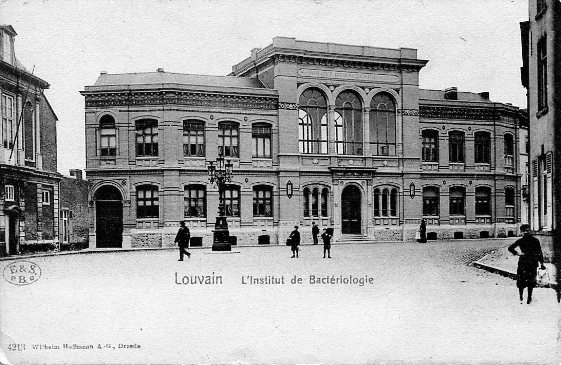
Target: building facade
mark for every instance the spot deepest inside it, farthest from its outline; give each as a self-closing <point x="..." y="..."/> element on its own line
<point x="28" y="157"/>
<point x="73" y="212"/>
<point x="337" y="134"/>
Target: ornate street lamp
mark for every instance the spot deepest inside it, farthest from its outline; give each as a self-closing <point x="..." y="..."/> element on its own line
<point x="220" y="174"/>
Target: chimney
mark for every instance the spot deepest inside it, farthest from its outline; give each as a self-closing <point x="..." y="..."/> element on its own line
<point x="103" y="72"/>
<point x="76" y="173"/>
<point x="254" y="53"/>
<point x="484" y="95"/>
<point x="160" y="69"/>
<point x="451" y="93"/>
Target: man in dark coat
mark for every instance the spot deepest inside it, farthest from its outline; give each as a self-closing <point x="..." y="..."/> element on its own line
<point x="528" y="262"/>
<point x="294" y="241"/>
<point x="423" y="232"/>
<point x="182" y="240"/>
<point x="326" y="237"/>
<point x="315" y="232"/>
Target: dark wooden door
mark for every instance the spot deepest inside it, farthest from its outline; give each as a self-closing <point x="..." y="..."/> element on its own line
<point x="350" y="210"/>
<point x="109" y="224"/>
<point x="12" y="234"/>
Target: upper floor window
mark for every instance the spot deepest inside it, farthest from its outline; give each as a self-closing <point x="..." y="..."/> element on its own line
<point x="146" y="138"/>
<point x="262" y="201"/>
<point x="542" y="73"/>
<point x="509" y="150"/>
<point x="8" y="117"/>
<point x="456" y="146"/>
<point x="348" y="123"/>
<point x="46" y="197"/>
<point x="228" y="139"/>
<point x="107" y="136"/>
<point x="194" y="197"/>
<point x="382" y="125"/>
<point x="482" y="201"/>
<point x="147" y="201"/>
<point x="7" y="47"/>
<point x="457" y="201"/>
<point x="385" y="202"/>
<point x="482" y="147"/>
<point x="541" y="5"/>
<point x="312" y="122"/>
<point x="430" y="146"/>
<point x="9" y="193"/>
<point x="232" y="201"/>
<point x="261" y="140"/>
<point x="193" y="138"/>
<point x="431" y="201"/>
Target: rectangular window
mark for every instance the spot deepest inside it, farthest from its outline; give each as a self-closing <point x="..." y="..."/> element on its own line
<point x="108" y="141"/>
<point x="261" y="141"/>
<point x="7" y="49"/>
<point x="146" y="138"/>
<point x="194" y="198"/>
<point x="262" y="201"/>
<point x="147" y="202"/>
<point x="228" y="141"/>
<point x="430" y="205"/>
<point x="232" y="201"/>
<point x="430" y="146"/>
<point x="482" y="147"/>
<point x="457" y="202"/>
<point x="542" y="74"/>
<point x="482" y="202"/>
<point x="456" y="145"/>
<point x="9" y="192"/>
<point x="46" y="197"/>
<point x="193" y="139"/>
<point x="8" y="117"/>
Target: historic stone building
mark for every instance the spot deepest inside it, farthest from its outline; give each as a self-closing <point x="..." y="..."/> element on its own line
<point x="337" y="134"/>
<point x="28" y="158"/>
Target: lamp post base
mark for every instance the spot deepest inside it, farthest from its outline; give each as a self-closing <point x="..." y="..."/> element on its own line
<point x="221" y="235"/>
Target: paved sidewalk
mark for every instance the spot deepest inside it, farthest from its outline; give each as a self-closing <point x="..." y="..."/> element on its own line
<point x="502" y="262"/>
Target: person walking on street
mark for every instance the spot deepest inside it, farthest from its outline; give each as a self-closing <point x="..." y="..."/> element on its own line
<point x="531" y="254"/>
<point x="423" y="232"/>
<point x="315" y="232"/>
<point x="326" y="237"/>
<point x="182" y="240"/>
<point x="294" y="241"/>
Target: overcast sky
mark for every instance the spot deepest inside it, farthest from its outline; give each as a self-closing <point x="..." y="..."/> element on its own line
<point x="471" y="44"/>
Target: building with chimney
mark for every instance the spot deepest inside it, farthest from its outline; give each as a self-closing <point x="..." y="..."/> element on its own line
<point x="335" y="134"/>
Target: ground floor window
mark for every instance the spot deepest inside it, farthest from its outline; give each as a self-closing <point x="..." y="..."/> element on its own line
<point x="195" y="201"/>
<point x="232" y="201"/>
<point x="431" y="201"/>
<point x="147" y="202"/>
<point x="457" y="201"/>
<point x="262" y="201"/>
<point x="482" y="201"/>
<point x="385" y="202"/>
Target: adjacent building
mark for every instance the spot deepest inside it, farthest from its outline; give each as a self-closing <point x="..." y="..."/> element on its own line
<point x="337" y="134"/>
<point x="29" y="183"/>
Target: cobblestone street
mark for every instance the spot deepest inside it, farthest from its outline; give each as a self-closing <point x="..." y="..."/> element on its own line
<point x="420" y="303"/>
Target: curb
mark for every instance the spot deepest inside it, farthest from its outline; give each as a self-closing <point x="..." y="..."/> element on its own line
<point x="507" y="273"/>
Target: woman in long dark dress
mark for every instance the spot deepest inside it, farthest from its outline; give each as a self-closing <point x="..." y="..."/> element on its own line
<point x="531" y="254"/>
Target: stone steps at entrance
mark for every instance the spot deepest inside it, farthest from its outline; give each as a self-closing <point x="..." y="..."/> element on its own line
<point x="354" y="238"/>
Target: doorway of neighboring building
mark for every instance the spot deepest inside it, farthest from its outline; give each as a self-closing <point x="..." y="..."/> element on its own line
<point x="351" y="210"/>
<point x="108" y="217"/>
<point x="12" y="233"/>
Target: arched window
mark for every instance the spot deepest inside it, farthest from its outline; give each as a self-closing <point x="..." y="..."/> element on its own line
<point x="228" y="139"/>
<point x="482" y="201"/>
<point x="385" y="202"/>
<point x="457" y="201"/>
<point x="431" y="201"/>
<point x="193" y="138"/>
<point x="315" y="202"/>
<point x="324" y="195"/>
<point x="146" y="138"/>
<point x="509" y="150"/>
<point x="382" y="125"/>
<point x="456" y="146"/>
<point x="312" y="122"/>
<point x="430" y="146"/>
<point x="107" y="136"/>
<point x="262" y="201"/>
<point x="306" y="202"/>
<point x="194" y="197"/>
<point x="348" y="123"/>
<point x="232" y="200"/>
<point x="147" y="202"/>
<point x="482" y="146"/>
<point x="261" y="140"/>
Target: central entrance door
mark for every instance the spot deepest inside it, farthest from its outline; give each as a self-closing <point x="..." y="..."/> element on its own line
<point x="350" y="210"/>
<point x="108" y="218"/>
<point x="12" y="234"/>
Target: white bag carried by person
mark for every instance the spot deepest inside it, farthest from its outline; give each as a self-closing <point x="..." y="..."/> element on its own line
<point x="542" y="279"/>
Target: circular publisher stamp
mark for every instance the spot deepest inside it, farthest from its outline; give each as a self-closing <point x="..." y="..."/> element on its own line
<point x="22" y="272"/>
